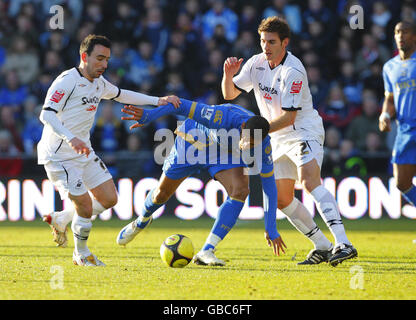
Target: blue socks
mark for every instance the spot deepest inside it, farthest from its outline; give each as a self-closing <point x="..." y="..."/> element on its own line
<point x="410" y="195"/>
<point x="147" y="211"/>
<point x="227" y="216"/>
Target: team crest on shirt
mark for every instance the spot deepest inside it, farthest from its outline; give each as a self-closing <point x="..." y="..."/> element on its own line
<point x="57" y="96"/>
<point x="218" y="116"/>
<point x="79" y="184"/>
<point x="296" y="86"/>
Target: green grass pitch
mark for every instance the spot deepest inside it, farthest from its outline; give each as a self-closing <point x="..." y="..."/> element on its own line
<point x="33" y="268"/>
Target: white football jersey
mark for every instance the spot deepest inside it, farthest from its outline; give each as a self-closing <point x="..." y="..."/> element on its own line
<point x="284" y="87"/>
<point x="75" y="100"/>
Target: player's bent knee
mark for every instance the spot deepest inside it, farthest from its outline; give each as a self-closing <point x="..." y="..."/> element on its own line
<point x="85" y="212"/>
<point x="240" y="193"/>
<point x="403" y="186"/>
<point x="283" y="202"/>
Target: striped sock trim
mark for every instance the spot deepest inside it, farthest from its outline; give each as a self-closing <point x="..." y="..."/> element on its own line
<point x="79" y="237"/>
<point x="312" y="232"/>
<point x="334" y="222"/>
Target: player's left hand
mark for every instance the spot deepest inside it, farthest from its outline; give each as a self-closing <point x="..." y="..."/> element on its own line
<point x="277" y="244"/>
<point x="169" y="99"/>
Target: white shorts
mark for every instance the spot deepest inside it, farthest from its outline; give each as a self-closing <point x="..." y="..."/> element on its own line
<point x="77" y="176"/>
<point x="299" y="153"/>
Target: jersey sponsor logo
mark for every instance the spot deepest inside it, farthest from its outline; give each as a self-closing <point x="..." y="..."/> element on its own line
<point x="296" y="86"/>
<point x="57" y="96"/>
<point x="408" y="84"/>
<point x="91" y="108"/>
<point x="218" y="116"/>
<point x="269" y="90"/>
<point x="86" y="100"/>
<point x="260" y="68"/>
<point x="267" y="96"/>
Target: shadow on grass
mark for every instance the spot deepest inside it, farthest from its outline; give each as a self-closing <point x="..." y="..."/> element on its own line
<point x="169" y="222"/>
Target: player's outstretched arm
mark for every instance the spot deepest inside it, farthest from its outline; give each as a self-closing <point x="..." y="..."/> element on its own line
<point x="145" y="116"/>
<point x="271" y="234"/>
<point x="136" y="98"/>
<point x="200" y="112"/>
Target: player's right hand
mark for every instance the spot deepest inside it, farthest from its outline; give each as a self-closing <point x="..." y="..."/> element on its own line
<point x="79" y="146"/>
<point x="232" y="65"/>
<point x="384" y="125"/>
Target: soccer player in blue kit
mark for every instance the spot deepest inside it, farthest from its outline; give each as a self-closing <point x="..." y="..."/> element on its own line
<point x="201" y="133"/>
<point x="399" y="74"/>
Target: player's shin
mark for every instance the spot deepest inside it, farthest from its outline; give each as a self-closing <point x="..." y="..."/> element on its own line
<point x="328" y="209"/>
<point x="81" y="228"/>
<point x="148" y="209"/>
<point x="301" y="219"/>
<point x="227" y="216"/>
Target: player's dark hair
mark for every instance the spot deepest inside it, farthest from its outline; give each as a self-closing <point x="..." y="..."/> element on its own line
<point x="257" y="122"/>
<point x="409" y="24"/>
<point x="90" y="41"/>
<point x="277" y="25"/>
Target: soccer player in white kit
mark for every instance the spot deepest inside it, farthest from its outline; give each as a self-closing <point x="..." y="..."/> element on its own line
<point x="65" y="148"/>
<point x="282" y="93"/>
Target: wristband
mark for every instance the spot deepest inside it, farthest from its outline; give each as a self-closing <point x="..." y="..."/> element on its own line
<point x="384" y="115"/>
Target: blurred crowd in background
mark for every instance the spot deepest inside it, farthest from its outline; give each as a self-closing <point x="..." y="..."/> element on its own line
<point x="162" y="47"/>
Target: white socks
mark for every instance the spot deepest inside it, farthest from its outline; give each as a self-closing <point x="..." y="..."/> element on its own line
<point x="65" y="216"/>
<point x="328" y="209"/>
<point x="97" y="208"/>
<point x="302" y="220"/>
<point x="81" y="228"/>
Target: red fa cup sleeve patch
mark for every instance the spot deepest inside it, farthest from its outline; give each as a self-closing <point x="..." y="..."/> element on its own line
<point x="296" y="86"/>
<point x="57" y="96"/>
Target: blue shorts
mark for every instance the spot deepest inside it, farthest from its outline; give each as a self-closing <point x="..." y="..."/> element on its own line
<point x="189" y="157"/>
<point x="404" y="150"/>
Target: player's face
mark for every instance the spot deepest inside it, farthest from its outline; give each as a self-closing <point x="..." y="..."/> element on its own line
<point x="97" y="61"/>
<point x="405" y="39"/>
<point x="272" y="46"/>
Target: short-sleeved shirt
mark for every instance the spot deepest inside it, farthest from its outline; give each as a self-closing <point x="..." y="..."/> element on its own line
<point x="400" y="80"/>
<point x="284" y="87"/>
<point x="75" y="100"/>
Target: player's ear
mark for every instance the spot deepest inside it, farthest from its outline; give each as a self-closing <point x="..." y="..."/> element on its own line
<point x="84" y="57"/>
<point x="285" y="42"/>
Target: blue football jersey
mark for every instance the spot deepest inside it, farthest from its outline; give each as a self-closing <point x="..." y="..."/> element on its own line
<point x="400" y="79"/>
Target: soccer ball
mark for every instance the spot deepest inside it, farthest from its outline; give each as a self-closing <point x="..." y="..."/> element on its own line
<point x="177" y="251"/>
